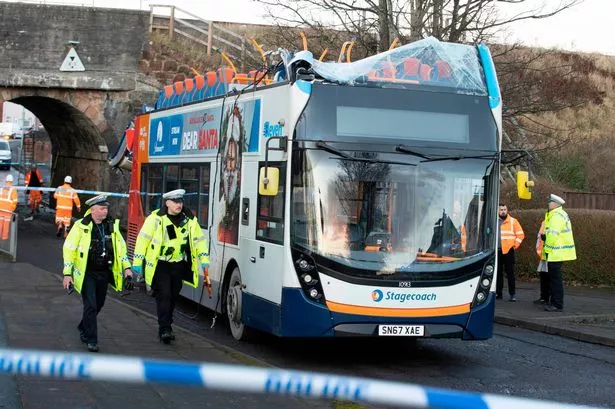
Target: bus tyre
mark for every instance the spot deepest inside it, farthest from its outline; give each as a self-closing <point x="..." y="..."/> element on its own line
<point x="234" y="307"/>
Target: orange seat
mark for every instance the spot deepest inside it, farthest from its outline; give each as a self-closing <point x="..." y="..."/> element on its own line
<point x="425" y="72"/>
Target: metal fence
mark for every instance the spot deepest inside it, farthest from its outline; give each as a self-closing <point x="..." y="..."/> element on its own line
<point x="8" y="234"/>
<point x="589" y="200"/>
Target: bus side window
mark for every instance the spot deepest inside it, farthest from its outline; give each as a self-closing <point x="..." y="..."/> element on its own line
<point x="204" y="196"/>
<point x="270" y="214"/>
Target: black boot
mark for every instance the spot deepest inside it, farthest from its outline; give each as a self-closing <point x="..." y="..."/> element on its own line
<point x="166" y="337"/>
<point x="92" y="347"/>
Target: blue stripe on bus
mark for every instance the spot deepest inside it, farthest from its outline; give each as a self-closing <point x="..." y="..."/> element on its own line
<point x="492" y="83"/>
<point x="187" y="374"/>
<point x="443" y="399"/>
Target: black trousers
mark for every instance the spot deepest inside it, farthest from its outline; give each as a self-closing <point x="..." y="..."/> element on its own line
<point x="545" y="290"/>
<point x="556" y="283"/>
<point x="167" y="284"/>
<point x="506" y="262"/>
<point x="93" y="294"/>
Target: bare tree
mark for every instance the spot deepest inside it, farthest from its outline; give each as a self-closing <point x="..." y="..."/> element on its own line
<point x="408" y="20"/>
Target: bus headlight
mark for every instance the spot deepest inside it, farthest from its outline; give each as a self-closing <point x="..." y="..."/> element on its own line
<point x="484" y="284"/>
<point x="307" y="272"/>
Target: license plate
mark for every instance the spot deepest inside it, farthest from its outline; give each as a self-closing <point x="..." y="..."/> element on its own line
<point x="401" y="330"/>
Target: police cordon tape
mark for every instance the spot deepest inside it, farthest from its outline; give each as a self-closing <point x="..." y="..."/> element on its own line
<point x="87" y="367"/>
<point x="92" y="192"/>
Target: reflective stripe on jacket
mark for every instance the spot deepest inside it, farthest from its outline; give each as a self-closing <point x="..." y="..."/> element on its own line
<point x="511" y="234"/>
<point x="152" y="237"/>
<point x="559" y="245"/>
<point x="65" y="196"/>
<point x="77" y="246"/>
<point x="8" y="198"/>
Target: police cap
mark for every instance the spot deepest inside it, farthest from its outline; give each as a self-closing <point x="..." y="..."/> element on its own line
<point x="176" y="195"/>
<point x="101" y="200"/>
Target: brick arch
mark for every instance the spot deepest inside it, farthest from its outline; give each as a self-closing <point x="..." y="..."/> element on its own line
<point x="80" y="133"/>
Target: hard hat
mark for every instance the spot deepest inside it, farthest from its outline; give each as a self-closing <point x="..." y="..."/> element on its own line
<point x="9" y="178"/>
<point x="68" y="179"/>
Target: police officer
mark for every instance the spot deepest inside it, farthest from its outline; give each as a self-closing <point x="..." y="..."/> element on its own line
<point x="558" y="248"/>
<point x="95" y="256"/>
<point x="172" y="245"/>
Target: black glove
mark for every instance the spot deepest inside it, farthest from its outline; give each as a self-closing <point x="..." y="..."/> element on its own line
<point x="128" y="284"/>
<point x="543" y="237"/>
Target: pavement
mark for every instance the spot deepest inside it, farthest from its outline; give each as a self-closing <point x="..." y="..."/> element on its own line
<point x="36" y="313"/>
<point x="588" y="315"/>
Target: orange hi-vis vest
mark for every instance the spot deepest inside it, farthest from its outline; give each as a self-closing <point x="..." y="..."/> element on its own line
<point x="8" y="198"/>
<point x="511" y="234"/>
<point x="29" y="175"/>
<point x="65" y="196"/>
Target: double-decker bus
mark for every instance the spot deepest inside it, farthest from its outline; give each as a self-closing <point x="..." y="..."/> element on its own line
<point x="338" y="198"/>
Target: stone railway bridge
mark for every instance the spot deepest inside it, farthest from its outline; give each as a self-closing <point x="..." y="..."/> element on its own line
<point x="84" y="112"/>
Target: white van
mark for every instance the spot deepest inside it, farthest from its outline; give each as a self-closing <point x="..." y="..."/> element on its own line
<point x="5" y="155"/>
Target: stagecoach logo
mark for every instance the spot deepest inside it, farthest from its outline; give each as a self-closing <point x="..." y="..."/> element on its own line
<point x="377" y="295"/>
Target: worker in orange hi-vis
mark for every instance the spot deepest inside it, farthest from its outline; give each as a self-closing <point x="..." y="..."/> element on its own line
<point x="65" y="196"/>
<point x="8" y="203"/>
<point x="34" y="179"/>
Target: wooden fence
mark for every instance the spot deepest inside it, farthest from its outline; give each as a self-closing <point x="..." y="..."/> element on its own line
<point x="200" y="31"/>
<point x="589" y="200"/>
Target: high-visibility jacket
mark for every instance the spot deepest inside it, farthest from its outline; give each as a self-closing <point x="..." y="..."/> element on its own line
<point x="8" y="198"/>
<point x="539" y="242"/>
<point x="511" y="234"/>
<point x="559" y="245"/>
<point x="29" y="175"/>
<point x="153" y="240"/>
<point x="77" y="247"/>
<point x="65" y="196"/>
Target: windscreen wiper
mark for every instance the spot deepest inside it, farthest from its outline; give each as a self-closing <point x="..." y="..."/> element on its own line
<point x="344" y="156"/>
<point x="493" y="156"/>
<point x="328" y="148"/>
<point x="403" y="149"/>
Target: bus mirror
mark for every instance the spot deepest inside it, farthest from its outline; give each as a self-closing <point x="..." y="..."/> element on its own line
<point x="268" y="181"/>
<point x="524" y="185"/>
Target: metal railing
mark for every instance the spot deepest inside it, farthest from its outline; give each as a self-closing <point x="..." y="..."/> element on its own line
<point x="8" y="240"/>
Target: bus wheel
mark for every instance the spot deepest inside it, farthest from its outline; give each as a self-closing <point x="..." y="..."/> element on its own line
<point x="233" y="307"/>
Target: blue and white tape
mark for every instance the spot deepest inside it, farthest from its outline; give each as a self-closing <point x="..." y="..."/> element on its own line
<point x="92" y="192"/>
<point x="85" y="192"/>
<point x="253" y="380"/>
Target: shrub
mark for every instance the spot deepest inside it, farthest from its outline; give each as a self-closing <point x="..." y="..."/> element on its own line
<point x="594" y="245"/>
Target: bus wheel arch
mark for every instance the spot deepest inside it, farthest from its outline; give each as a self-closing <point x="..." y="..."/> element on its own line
<point x="233" y="301"/>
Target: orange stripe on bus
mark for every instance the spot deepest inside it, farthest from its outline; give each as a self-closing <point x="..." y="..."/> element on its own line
<point x="398" y="312"/>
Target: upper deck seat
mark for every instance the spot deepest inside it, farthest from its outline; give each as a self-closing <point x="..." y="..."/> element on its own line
<point x="411" y="67"/>
<point x="212" y="83"/>
<point x="425" y="72"/>
<point x="168" y="95"/>
<point x="200" y="87"/>
<point x="443" y="72"/>
<point x="189" y="90"/>
<point x="178" y="93"/>
<point x="225" y="78"/>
